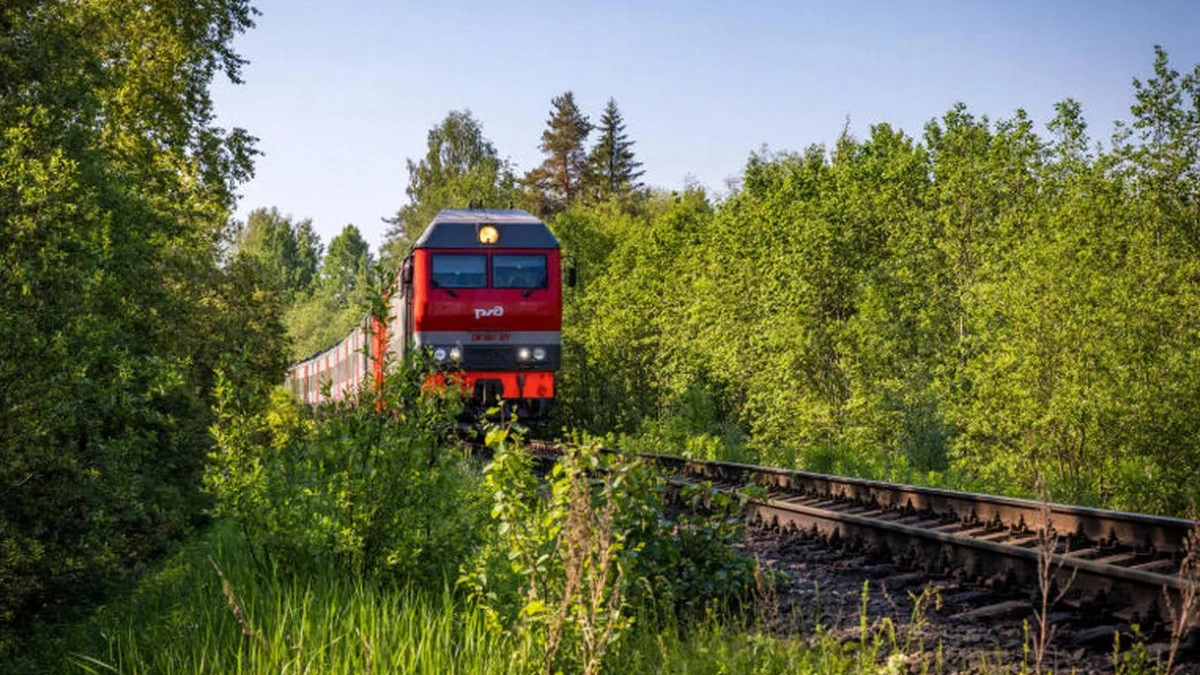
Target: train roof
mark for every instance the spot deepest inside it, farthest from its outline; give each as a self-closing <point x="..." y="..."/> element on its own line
<point x="460" y="228"/>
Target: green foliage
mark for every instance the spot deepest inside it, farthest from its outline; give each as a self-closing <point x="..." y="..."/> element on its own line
<point x="323" y="297"/>
<point x="339" y="304"/>
<point x="612" y="171"/>
<point x="373" y="487"/>
<point x="554" y="572"/>
<point x="115" y="187"/>
<point x="345" y="266"/>
<point x="560" y="180"/>
<point x="696" y="428"/>
<point x="181" y="620"/>
<point x="213" y="608"/>
<point x="567" y="564"/>
<point x="623" y="323"/>
<point x="288" y="251"/>
<point x="976" y="308"/>
<point x="460" y="168"/>
<point x="319" y="322"/>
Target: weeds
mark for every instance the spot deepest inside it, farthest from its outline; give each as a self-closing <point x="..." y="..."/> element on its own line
<point x="556" y="573"/>
<point x="181" y="621"/>
<point x="371" y="491"/>
<point x="235" y="607"/>
<point x="592" y="598"/>
<point x="1184" y="615"/>
<point x="1047" y="574"/>
<point x="1133" y="661"/>
<point x="766" y="596"/>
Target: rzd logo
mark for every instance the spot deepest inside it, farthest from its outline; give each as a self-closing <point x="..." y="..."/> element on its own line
<point x="481" y="312"/>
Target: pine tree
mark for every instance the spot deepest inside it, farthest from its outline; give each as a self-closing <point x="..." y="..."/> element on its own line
<point x="559" y="180"/>
<point x="612" y="170"/>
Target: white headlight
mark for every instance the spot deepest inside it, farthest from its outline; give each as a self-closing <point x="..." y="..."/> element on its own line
<point x="539" y="354"/>
<point x="455" y="353"/>
<point x="523" y="354"/>
<point x="439" y="354"/>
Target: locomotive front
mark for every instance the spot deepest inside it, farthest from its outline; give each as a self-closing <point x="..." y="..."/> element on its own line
<point x="483" y="294"/>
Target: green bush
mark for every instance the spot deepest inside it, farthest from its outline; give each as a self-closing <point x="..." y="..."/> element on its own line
<point x="569" y="563"/>
<point x="376" y="488"/>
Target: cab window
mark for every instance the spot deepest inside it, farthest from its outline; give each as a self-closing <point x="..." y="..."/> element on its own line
<point x="455" y="270"/>
<point x="518" y="271"/>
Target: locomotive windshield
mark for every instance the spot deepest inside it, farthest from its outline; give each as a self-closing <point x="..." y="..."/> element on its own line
<point x="456" y="270"/>
<point x="518" y="271"/>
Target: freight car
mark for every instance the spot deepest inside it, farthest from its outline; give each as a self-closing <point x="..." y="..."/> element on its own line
<point x="481" y="291"/>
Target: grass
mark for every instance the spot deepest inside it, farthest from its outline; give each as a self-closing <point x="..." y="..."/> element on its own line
<point x="184" y="619"/>
<point x="211" y="608"/>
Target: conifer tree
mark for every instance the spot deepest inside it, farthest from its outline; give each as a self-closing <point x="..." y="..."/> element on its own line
<point x="612" y="170"/>
<point x="559" y="180"/>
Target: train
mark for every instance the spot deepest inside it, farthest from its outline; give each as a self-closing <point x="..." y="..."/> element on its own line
<point x="481" y="292"/>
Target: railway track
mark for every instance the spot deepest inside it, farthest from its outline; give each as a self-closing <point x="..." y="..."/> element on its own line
<point x="1103" y="563"/>
<point x="1120" y="564"/>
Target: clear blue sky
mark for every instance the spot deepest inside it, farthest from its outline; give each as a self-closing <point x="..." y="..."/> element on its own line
<point x="340" y="94"/>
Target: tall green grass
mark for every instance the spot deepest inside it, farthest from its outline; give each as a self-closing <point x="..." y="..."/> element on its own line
<point x="188" y="617"/>
<point x="184" y="619"/>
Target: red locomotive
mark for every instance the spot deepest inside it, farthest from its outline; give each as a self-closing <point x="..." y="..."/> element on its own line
<point x="481" y="291"/>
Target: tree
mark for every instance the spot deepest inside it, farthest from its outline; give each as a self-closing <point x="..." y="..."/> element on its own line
<point x="289" y="251"/>
<point x="558" y="182"/>
<point x="461" y="168"/>
<point x="340" y="298"/>
<point x="613" y="172"/>
<point x="345" y="265"/>
<point x="115" y="188"/>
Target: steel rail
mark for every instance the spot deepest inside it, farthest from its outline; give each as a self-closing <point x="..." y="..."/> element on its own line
<point x="1142" y="532"/>
<point x="1126" y="564"/>
<point x="1106" y="559"/>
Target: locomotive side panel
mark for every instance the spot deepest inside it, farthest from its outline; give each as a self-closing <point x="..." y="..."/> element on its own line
<point x="398" y="320"/>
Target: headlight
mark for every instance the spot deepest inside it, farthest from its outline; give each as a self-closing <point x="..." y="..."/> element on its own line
<point x="439" y="354"/>
<point x="539" y="354"/>
<point x="455" y="354"/>
<point x="523" y="354"/>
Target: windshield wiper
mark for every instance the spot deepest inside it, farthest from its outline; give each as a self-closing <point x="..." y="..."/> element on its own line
<point x="448" y="290"/>
<point x="539" y="287"/>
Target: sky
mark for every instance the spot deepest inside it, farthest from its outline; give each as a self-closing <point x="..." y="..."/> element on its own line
<point x="340" y="94"/>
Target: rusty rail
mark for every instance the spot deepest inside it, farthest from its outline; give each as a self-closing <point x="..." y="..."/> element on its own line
<point x="1126" y="565"/>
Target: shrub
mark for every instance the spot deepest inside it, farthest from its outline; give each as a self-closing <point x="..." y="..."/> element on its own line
<point x="376" y="490"/>
<point x="569" y="563"/>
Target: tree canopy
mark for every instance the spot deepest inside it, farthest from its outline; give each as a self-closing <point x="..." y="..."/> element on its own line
<point x="981" y="307"/>
<point x="345" y="265"/>
<point x="340" y="298"/>
<point x="288" y="250"/>
<point x="115" y="191"/>
<point x="613" y="171"/>
<point x="559" y="181"/>
<point x="460" y="168"/>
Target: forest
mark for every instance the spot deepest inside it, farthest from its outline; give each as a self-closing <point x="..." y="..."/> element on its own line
<point x="979" y="304"/>
<point x="983" y="306"/>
